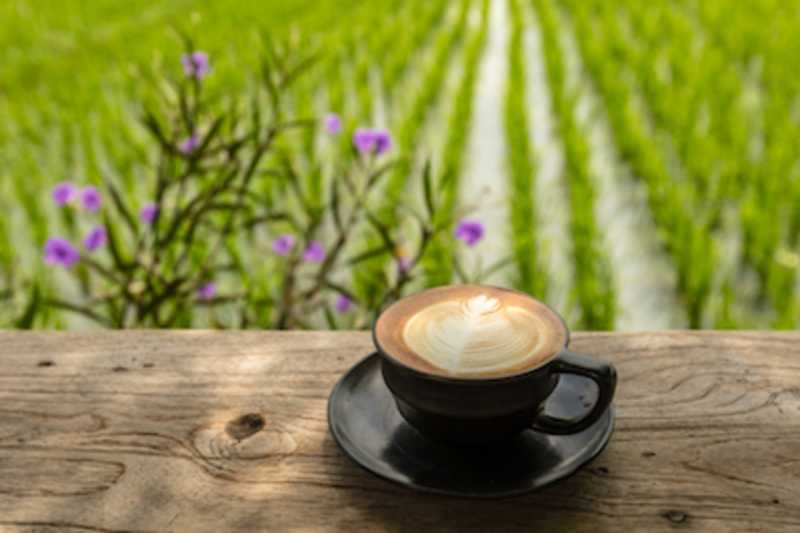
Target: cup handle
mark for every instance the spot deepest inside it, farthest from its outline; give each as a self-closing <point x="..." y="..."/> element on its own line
<point x="601" y="372"/>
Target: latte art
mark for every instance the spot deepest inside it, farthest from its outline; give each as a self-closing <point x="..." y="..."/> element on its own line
<point x="470" y="332"/>
<point x="476" y="335"/>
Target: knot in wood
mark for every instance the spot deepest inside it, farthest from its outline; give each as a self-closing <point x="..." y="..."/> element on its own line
<point x="676" y="517"/>
<point x="245" y="426"/>
<point x="242" y="447"/>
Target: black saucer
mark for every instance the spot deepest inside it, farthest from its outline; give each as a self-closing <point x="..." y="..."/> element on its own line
<point x="367" y="426"/>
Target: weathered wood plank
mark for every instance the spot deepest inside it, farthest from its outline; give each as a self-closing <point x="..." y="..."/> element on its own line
<point x="208" y="431"/>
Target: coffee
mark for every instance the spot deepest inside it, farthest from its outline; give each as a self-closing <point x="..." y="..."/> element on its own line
<point x="470" y="332"/>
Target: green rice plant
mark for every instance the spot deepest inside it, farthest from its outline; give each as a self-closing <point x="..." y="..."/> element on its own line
<point x="362" y="48"/>
<point x="439" y="267"/>
<point x="417" y="28"/>
<point x="594" y="284"/>
<point x="766" y="54"/>
<point x="361" y="44"/>
<point x="367" y="46"/>
<point x="369" y="278"/>
<point x="521" y="165"/>
<point x="764" y="187"/>
<point x="685" y="236"/>
<point x="432" y="81"/>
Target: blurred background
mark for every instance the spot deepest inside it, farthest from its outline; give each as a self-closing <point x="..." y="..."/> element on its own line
<point x="634" y="164"/>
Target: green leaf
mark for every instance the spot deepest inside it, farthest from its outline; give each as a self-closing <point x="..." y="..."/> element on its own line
<point x="272" y="90"/>
<point x="368" y="254"/>
<point x="329" y="316"/>
<point x="119" y="203"/>
<point x="151" y="123"/>
<point x="255" y="116"/>
<point x="212" y="132"/>
<point x="183" y="105"/>
<point x="272" y="53"/>
<point x="375" y="175"/>
<point x="382" y="230"/>
<point x="28" y="317"/>
<point x="113" y="244"/>
<point x="335" y="205"/>
<point x="188" y="44"/>
<point x="426" y="177"/>
<point x="494" y="267"/>
<point x="299" y="69"/>
<point x="462" y="276"/>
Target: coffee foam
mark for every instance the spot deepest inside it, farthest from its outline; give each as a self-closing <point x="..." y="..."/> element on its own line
<point x="470" y="331"/>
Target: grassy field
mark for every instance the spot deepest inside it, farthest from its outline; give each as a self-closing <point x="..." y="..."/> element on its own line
<point x="695" y="104"/>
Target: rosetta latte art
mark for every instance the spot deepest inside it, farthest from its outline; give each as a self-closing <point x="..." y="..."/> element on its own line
<point x="478" y="334"/>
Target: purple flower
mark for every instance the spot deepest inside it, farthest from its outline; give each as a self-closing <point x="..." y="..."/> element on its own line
<point x="283" y="244"/>
<point x="404" y="263"/>
<point x="64" y="193"/>
<point x="58" y="251"/>
<point x="196" y="65"/>
<point x="148" y="213"/>
<point x="363" y="140"/>
<point x="333" y="124"/>
<point x="383" y="141"/>
<point x="90" y="199"/>
<point x="206" y="291"/>
<point x="371" y="140"/>
<point x="95" y="238"/>
<point x="189" y="144"/>
<point x="469" y="231"/>
<point x="343" y="303"/>
<point x="314" y="253"/>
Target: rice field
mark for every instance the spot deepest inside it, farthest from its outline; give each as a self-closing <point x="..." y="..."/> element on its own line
<point x="633" y="164"/>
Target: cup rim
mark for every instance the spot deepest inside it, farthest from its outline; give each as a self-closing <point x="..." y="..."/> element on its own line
<point x="473" y="381"/>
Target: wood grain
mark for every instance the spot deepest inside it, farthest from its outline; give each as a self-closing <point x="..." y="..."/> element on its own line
<point x="208" y="431"/>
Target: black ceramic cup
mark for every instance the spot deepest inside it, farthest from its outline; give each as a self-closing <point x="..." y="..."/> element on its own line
<point x="484" y="411"/>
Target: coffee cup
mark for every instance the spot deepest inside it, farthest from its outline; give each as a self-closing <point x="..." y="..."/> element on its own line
<point x="475" y="364"/>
